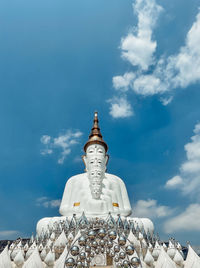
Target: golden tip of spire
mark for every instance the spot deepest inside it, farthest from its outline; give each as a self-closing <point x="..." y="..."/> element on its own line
<point x="95" y="136"/>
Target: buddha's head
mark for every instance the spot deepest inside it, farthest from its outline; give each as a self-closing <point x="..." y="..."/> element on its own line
<point x="95" y="159"/>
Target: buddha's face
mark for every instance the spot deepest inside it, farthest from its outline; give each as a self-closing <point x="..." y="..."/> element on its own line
<point x="95" y="157"/>
<point x="96" y="175"/>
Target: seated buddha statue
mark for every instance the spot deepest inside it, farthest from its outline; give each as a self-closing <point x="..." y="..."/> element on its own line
<point x="95" y="192"/>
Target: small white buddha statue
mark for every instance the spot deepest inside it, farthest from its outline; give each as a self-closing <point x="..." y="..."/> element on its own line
<point x="95" y="192"/>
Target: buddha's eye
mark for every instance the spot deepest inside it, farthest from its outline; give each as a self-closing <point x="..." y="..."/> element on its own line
<point x="92" y="161"/>
<point x="99" y="173"/>
<point x="99" y="161"/>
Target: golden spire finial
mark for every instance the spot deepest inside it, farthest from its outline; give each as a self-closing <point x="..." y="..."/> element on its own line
<point x="95" y="136"/>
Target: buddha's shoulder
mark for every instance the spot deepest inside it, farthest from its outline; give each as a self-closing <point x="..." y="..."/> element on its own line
<point x="76" y="178"/>
<point x="114" y="177"/>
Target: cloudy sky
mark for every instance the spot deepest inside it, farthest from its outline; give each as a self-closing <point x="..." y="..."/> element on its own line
<point x="137" y="63"/>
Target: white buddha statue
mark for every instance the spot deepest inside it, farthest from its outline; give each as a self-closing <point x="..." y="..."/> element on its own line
<point x="95" y="192"/>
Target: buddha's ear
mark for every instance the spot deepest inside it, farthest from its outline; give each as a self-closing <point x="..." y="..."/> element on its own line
<point x="84" y="158"/>
<point x="107" y="158"/>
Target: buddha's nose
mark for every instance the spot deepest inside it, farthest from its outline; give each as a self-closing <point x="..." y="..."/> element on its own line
<point x="96" y="162"/>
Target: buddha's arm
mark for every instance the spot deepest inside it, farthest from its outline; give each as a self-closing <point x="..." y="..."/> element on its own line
<point x="125" y="198"/>
<point x="113" y="200"/>
<point x="116" y="188"/>
<point x="64" y="207"/>
<point x="122" y="195"/>
<point x="108" y="197"/>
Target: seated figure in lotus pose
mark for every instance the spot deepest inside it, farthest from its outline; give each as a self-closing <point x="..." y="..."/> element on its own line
<point x="95" y="192"/>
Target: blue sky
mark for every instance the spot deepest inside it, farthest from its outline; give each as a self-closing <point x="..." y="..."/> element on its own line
<point x="137" y="63"/>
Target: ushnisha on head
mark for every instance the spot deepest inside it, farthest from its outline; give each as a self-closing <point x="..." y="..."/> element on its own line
<point x="95" y="159"/>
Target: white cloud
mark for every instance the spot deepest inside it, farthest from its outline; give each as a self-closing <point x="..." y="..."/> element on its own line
<point x="40" y="200"/>
<point x="45" y="139"/>
<point x="46" y="151"/>
<point x="189" y="220"/>
<point x="167" y="73"/>
<point x="122" y="82"/>
<point x="8" y="234"/>
<point x="120" y="108"/>
<point x="188" y="181"/>
<point x="52" y="203"/>
<point x="78" y="159"/>
<point x="137" y="47"/>
<point x="179" y="70"/>
<point x="165" y="101"/>
<point x="64" y="142"/>
<point x="150" y="209"/>
<point x="47" y="203"/>
<point x="174" y="182"/>
<point x="147" y="85"/>
<point x="187" y="62"/>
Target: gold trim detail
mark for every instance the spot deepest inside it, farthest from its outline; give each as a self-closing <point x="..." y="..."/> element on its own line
<point x="115" y="204"/>
<point x="76" y="204"/>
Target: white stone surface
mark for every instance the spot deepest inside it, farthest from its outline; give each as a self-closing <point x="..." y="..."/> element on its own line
<point x="19" y="259"/>
<point x="178" y="258"/>
<point x="34" y="261"/>
<point x="60" y="262"/>
<point x="113" y="189"/>
<point x="5" y="261"/>
<point x="61" y="241"/>
<point x="50" y="259"/>
<point x="164" y="261"/>
<point x="192" y="260"/>
<point x="149" y="260"/>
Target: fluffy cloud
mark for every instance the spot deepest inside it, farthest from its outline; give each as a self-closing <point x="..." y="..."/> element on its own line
<point x="167" y="73"/>
<point x="186" y="64"/>
<point x="189" y="220"/>
<point x="64" y="142"/>
<point x="45" y="139"/>
<point x="137" y="47"/>
<point x="188" y="182"/>
<point x="47" y="203"/>
<point x="120" y="108"/>
<point x="122" y="82"/>
<point x="150" y="209"/>
<point x="165" y="101"/>
<point x="179" y="70"/>
<point x="189" y="179"/>
<point x="175" y="182"/>
<point x="147" y="85"/>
